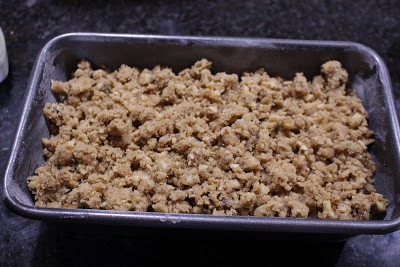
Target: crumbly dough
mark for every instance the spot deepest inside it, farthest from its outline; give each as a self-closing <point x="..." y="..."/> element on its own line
<point x="195" y="142"/>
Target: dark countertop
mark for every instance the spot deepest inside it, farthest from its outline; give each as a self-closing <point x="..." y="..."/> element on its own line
<point x="29" y="24"/>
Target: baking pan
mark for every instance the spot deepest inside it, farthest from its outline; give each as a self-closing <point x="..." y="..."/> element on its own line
<point x="57" y="60"/>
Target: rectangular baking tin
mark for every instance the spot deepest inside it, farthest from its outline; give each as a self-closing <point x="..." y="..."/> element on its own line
<point x="57" y="60"/>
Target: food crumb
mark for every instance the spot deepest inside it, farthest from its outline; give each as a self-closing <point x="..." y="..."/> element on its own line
<point x="197" y="142"/>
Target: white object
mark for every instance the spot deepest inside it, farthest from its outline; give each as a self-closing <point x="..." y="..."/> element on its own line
<point x="3" y="58"/>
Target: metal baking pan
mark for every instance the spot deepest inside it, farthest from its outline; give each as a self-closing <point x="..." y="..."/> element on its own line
<point x="368" y="74"/>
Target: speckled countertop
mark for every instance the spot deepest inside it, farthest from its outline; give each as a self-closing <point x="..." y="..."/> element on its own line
<point x="28" y="25"/>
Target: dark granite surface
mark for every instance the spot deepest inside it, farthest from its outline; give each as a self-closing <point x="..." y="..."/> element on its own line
<point x="28" y="25"/>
